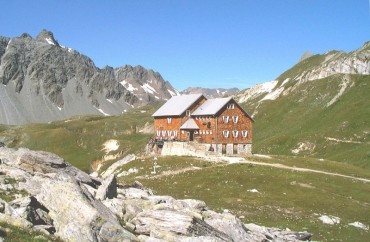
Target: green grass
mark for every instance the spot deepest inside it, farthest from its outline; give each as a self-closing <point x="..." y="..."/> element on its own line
<point x="316" y="164"/>
<point x="285" y="199"/>
<point x="11" y="194"/>
<point x="303" y="117"/>
<point x="80" y="140"/>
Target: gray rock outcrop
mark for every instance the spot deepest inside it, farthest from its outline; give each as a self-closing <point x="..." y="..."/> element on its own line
<point x="41" y="81"/>
<point x="51" y="196"/>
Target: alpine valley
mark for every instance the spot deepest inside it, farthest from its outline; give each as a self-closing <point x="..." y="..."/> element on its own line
<point x="68" y="127"/>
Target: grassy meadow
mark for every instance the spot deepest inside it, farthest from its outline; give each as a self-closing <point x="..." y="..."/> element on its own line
<point x="285" y="199"/>
<point x="80" y="140"/>
<point x="338" y="132"/>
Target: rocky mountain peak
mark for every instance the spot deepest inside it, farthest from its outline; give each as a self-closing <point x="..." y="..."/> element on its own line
<point x="25" y="36"/>
<point x="66" y="83"/>
<point x="47" y="37"/>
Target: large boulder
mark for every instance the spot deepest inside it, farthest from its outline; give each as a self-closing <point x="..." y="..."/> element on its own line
<point x="77" y="215"/>
<point x="228" y="224"/>
<point x="40" y="161"/>
<point x="108" y="189"/>
<point x="174" y="222"/>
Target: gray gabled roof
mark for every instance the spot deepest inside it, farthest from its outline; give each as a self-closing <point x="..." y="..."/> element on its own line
<point x="177" y="105"/>
<point x="189" y="124"/>
<point x="211" y="106"/>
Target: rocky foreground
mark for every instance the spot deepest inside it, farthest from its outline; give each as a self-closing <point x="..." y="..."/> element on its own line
<point x="40" y="191"/>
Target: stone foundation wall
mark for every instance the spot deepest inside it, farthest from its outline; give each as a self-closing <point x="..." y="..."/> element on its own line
<point x="203" y="150"/>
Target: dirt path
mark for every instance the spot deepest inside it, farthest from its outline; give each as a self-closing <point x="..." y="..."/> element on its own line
<point x="171" y="173"/>
<point x="232" y="160"/>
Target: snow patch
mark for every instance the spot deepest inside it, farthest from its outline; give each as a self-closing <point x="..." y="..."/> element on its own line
<point x="148" y="88"/>
<point x="8" y="43"/>
<point x="110" y="145"/>
<point x="50" y="41"/>
<point x="70" y="50"/>
<point x="253" y="190"/>
<point x="329" y="219"/>
<point x="172" y="93"/>
<point x="60" y="109"/>
<point x="109" y="100"/>
<point x="128" y="86"/>
<point x="104" y="113"/>
<point x="359" y="225"/>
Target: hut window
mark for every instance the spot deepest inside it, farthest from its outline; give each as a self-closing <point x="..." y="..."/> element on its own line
<point x="225" y="133"/>
<point x="209" y="125"/>
<point x="225" y="119"/>
<point x="164" y="133"/>
<point x="175" y="133"/>
<point x="169" y="120"/>
<point x="169" y="133"/>
<point x="235" y="119"/>
<point x="235" y="133"/>
<point x="230" y="106"/>
<point x="158" y="133"/>
<point x="187" y="112"/>
<point x="245" y="133"/>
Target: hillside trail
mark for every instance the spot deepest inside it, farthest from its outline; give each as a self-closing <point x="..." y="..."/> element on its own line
<point x="233" y="160"/>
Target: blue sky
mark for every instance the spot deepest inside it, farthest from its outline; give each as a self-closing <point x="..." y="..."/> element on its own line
<point x="208" y="43"/>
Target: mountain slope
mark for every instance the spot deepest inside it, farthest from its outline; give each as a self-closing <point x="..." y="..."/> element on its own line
<point x="41" y="81"/>
<point x="317" y="108"/>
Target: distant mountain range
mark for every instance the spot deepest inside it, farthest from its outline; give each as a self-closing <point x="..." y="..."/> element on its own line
<point x="41" y="81"/>
<point x="211" y="92"/>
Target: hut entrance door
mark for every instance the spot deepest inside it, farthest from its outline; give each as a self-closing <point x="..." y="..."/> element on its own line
<point x="191" y="135"/>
